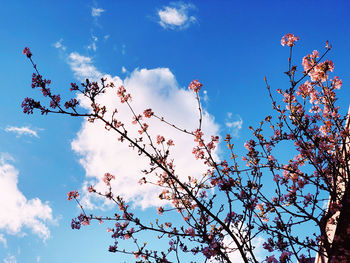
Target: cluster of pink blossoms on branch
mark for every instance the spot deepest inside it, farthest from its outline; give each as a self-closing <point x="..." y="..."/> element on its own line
<point x="195" y="85"/>
<point x="232" y="204"/>
<point x="289" y="40"/>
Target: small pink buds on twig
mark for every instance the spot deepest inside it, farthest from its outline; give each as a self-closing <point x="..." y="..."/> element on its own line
<point x="148" y="113"/>
<point x="26" y="51"/>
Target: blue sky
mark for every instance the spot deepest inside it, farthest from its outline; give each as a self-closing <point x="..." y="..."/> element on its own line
<point x="156" y="48"/>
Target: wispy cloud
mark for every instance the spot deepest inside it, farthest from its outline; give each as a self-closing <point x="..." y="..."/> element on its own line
<point x="17" y="212"/>
<point x="93" y="44"/>
<point x="3" y="240"/>
<point x="96" y="12"/>
<point x="234" y="125"/>
<point x="22" y="131"/>
<point x="205" y="96"/>
<point x="123" y="49"/>
<point x="59" y="45"/>
<point x="10" y="259"/>
<point x="176" y="16"/>
<point x="151" y="88"/>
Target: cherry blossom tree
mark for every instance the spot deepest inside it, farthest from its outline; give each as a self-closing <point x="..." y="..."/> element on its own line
<point x="291" y="202"/>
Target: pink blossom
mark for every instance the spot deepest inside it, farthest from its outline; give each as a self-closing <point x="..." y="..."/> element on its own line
<point x="168" y="224"/>
<point x="73" y="194"/>
<point x="289" y="39"/>
<point x="170" y="143"/>
<point x="122" y="94"/>
<point x="160" y="210"/>
<point x="148" y="113"/>
<point x="308" y="199"/>
<point x="160" y="139"/>
<point x="304" y="89"/>
<point x="195" y="85"/>
<point x="91" y="189"/>
<point x="198" y="134"/>
<point x="107" y="178"/>
<point x="144" y="128"/>
<point x="260" y="206"/>
<point x="26" y="51"/>
<point x="190" y="231"/>
<point x="284" y="256"/>
<point x="336" y="82"/>
<point x="199" y="154"/>
<point x="271" y="158"/>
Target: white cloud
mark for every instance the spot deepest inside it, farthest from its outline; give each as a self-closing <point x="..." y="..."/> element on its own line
<point x="93" y="44"/>
<point x="16" y="211"/>
<point x="235" y="255"/>
<point x="123" y="49"/>
<point x="10" y="259"/>
<point x="59" y="45"/>
<point x="101" y="152"/>
<point x="259" y="251"/>
<point x="235" y="126"/>
<point x="205" y="96"/>
<point x="124" y="70"/>
<point x="83" y="67"/>
<point x="95" y="12"/>
<point x="22" y="131"/>
<point x="176" y="16"/>
<point x="3" y="240"/>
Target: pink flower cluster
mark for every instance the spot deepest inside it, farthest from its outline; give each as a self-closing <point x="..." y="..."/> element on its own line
<point x="29" y="105"/>
<point x="73" y="194"/>
<point x="107" y="178"/>
<point x="143" y="129"/>
<point x="289" y="40"/>
<point x="71" y="104"/>
<point x="317" y="71"/>
<point x="124" y="97"/>
<point x="190" y="231"/>
<point x="80" y="220"/>
<point x="195" y="85"/>
<point x="211" y="250"/>
<point x="160" y="139"/>
<point x="148" y="113"/>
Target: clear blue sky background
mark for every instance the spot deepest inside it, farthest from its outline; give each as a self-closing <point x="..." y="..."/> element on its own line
<point x="228" y="45"/>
